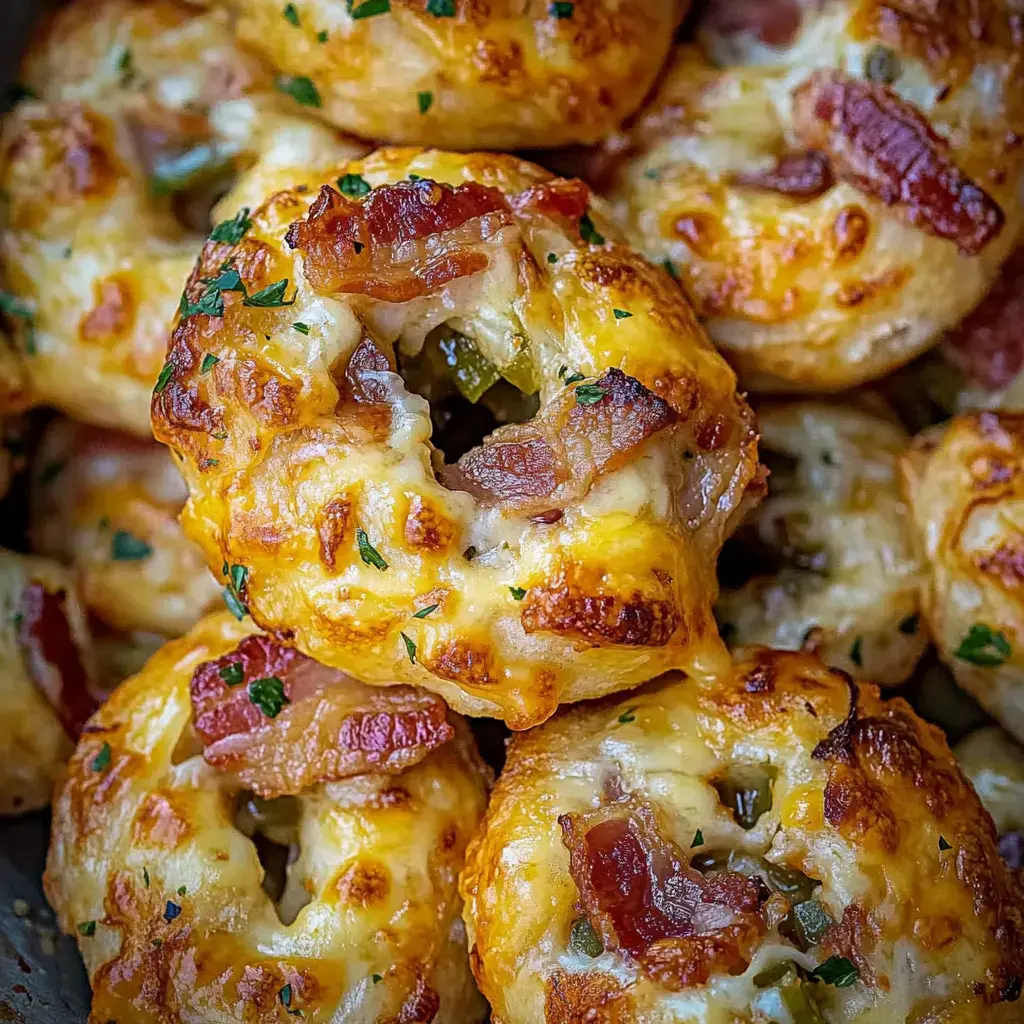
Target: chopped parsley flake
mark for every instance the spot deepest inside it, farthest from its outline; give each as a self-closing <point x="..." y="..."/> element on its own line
<point x="670" y="269"/>
<point x="300" y="327"/>
<point x="232" y="674"/>
<point x="410" y="647"/>
<point x="552" y="258"/>
<point x="982" y="646"/>
<point x="856" y="655"/>
<point x="166" y="373"/>
<point x="589" y="394"/>
<point x="354" y="185"/>
<point x="270" y="297"/>
<point x="368" y="8"/>
<point x="627" y="716"/>
<point x="561" y="9"/>
<point x="268" y="695"/>
<point x="424" y="612"/>
<point x="568" y="378"/>
<point x="102" y="760"/>
<point x="321" y="36"/>
<point x="698" y="839"/>
<point x="208" y="363"/>
<point x="908" y="626"/>
<point x="87" y="928"/>
<point x="125" y="67"/>
<point x="291" y="15"/>
<point x="837" y="971"/>
<point x="234" y="230"/>
<point x="621" y="314"/>
<point x="424" y="101"/>
<point x="943" y="845"/>
<point x="126" y="547"/>
<point x="234" y="603"/>
<point x="441" y="8"/>
<point x="171" y="911"/>
<point x="182" y="890"/>
<point x="145" y="877"/>
<point x="368" y="553"/>
<point x="377" y="978"/>
<point x="588" y="232"/>
<point x="583" y="939"/>
<point x="239" y="577"/>
<point x="517" y="592"/>
<point x="300" y="88"/>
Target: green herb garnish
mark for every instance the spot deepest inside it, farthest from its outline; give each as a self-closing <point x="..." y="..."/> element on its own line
<point x="354" y="185"/>
<point x="234" y="230"/>
<point x="126" y="547"/>
<point x="102" y="760"/>
<point x="627" y="716"/>
<point x="232" y="674"/>
<point x="517" y="592"/>
<point x="300" y="88"/>
<point x="856" y="654"/>
<point x="208" y="363"/>
<point x="270" y="297"/>
<point x="589" y="394"/>
<point x="424" y="612"/>
<point x="368" y="8"/>
<point x="291" y="15"/>
<point x="837" y="971"/>
<point x="621" y="314"/>
<point x="410" y="647"/>
<point x="588" y="232"/>
<point x="368" y="553"/>
<point x="698" y="839"/>
<point x="166" y="373"/>
<point x="424" y="101"/>
<point x="984" y="647"/>
<point x="268" y="695"/>
<point x="87" y="928"/>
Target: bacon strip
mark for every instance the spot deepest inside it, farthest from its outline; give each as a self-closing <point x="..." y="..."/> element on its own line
<point x="53" y="657"/>
<point x="332" y="728"/>
<point x="773" y="22"/>
<point x="641" y="896"/>
<point x="801" y="175"/>
<point x="885" y="147"/>
<point x="989" y="345"/>
<point x="554" y="458"/>
<point x="401" y="241"/>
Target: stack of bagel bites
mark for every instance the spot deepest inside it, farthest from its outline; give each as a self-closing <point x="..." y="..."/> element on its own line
<point x="511" y="504"/>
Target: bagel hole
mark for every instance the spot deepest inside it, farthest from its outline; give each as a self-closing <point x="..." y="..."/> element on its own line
<point x="766" y="544"/>
<point x="182" y="163"/>
<point x="468" y="396"/>
<point x="746" y="790"/>
<point x="273" y="828"/>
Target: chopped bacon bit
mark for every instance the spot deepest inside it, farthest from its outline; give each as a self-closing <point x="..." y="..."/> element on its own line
<point x="773" y="22"/>
<point x="554" y="458"/>
<point x="332" y="728"/>
<point x="801" y="175"/>
<point x="885" y="147"/>
<point x="362" y="379"/>
<point x="561" y="199"/>
<point x="53" y="657"/>
<point x="401" y="241"/>
<point x="638" y="890"/>
<point x="989" y="345"/>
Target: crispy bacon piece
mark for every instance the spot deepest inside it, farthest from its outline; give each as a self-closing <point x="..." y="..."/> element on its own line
<point x="801" y="175"/>
<point x="988" y="346"/>
<point x="563" y="200"/>
<point x="641" y="896"/>
<point x="401" y="241"/>
<point x="885" y="147"/>
<point x="554" y="458"/>
<point x="53" y="657"/>
<point x="332" y="727"/>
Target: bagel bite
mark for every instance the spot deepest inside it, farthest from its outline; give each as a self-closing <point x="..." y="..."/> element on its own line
<point x="835" y="183"/>
<point x="244" y="835"/>
<point x="461" y="74"/>
<point x="140" y="113"/>
<point x="964" y="482"/>
<point x="47" y="683"/>
<point x="107" y="505"/>
<point x="568" y="554"/>
<point x="994" y="764"/>
<point x="780" y="846"/>
<point x="827" y="563"/>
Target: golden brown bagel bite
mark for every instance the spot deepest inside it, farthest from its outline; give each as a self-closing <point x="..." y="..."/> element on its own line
<point x="781" y="846"/>
<point x="569" y="554"/>
<point x="162" y="862"/>
<point x="835" y="183"/>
